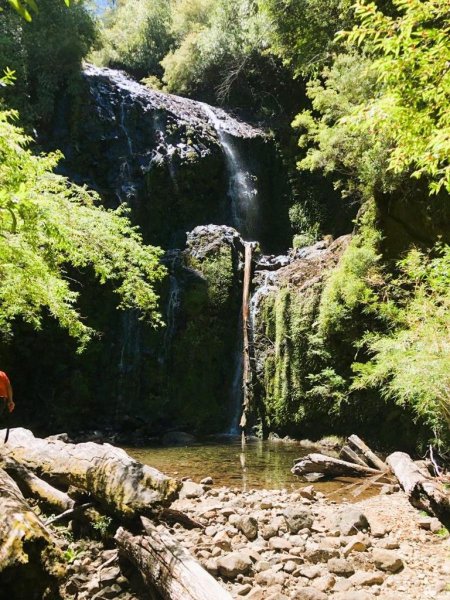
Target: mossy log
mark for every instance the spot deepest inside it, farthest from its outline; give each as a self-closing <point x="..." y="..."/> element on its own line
<point x="31" y="485"/>
<point x="425" y="493"/>
<point x="167" y="567"/>
<point x="21" y="531"/>
<point x="331" y="467"/>
<point x="122" y="485"/>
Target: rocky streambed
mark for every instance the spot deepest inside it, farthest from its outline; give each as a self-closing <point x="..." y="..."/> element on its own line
<point x="275" y="545"/>
<point x="121" y="530"/>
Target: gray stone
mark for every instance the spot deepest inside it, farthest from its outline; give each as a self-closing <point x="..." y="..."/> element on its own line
<point x="233" y="564"/>
<point x="280" y="544"/>
<point x="354" y="546"/>
<point x="350" y="521"/>
<point x="270" y="577"/>
<point x="243" y="590"/>
<point x="387" y="560"/>
<point x="191" y="490"/>
<point x="321" y="554"/>
<point x="356" y="595"/>
<point x="367" y="578"/>
<point x="309" y="593"/>
<point x="297" y="519"/>
<point x="340" y="566"/>
<point x="211" y="566"/>
<point x="207" y="481"/>
<point x="324" y="583"/>
<point x="378" y="528"/>
<point x="248" y="526"/>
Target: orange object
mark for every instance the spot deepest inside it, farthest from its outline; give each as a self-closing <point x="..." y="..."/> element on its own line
<point x="4" y="385"/>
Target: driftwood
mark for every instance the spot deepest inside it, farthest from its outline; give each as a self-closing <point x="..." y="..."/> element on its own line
<point x="371" y="457"/>
<point x="119" y="483"/>
<point x="348" y="454"/>
<point x="31" y="485"/>
<point x="332" y="467"/>
<point x="21" y="532"/>
<point x="167" y="567"/>
<point x="68" y="513"/>
<point x="423" y="492"/>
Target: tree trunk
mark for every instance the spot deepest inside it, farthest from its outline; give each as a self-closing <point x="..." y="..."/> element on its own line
<point x="372" y="458"/>
<point x="423" y="492"/>
<point x="31" y="485"/>
<point x="167" y="567"/>
<point x="332" y="467"/>
<point x="21" y="531"/>
<point x="348" y="454"/>
<point x="246" y="371"/>
<point x="123" y="486"/>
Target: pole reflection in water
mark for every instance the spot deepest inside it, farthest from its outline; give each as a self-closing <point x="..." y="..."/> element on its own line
<point x="242" y="459"/>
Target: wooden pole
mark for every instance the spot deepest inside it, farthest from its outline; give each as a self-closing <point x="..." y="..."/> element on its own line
<point x="246" y="371"/>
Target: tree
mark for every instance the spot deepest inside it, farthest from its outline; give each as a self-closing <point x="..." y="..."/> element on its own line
<point x="23" y="7"/>
<point x="46" y="55"/>
<point x="49" y="230"/>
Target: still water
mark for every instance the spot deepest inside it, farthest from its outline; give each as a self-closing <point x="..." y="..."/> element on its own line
<point x="262" y="465"/>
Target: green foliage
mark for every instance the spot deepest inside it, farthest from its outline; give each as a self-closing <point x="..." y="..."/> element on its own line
<point x="381" y="111"/>
<point x="350" y="286"/>
<point x="339" y="144"/>
<point x="47" y="225"/>
<point x="46" y="55"/>
<point x="136" y="36"/>
<point x="410" y="363"/>
<point x="220" y="35"/>
<point x="23" y="7"/>
<point x="410" y="54"/>
<point x="302" y="31"/>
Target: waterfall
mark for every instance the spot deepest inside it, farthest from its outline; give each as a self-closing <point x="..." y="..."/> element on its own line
<point x="129" y="362"/>
<point x="242" y="184"/>
<point x="173" y="260"/>
<point x="236" y="391"/>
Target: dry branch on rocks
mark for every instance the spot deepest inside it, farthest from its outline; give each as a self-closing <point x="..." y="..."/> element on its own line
<point x="120" y="484"/>
<point x="167" y="567"/>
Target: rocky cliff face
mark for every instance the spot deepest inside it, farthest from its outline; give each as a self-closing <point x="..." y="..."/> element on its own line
<point x="181" y="166"/>
<point x="168" y="157"/>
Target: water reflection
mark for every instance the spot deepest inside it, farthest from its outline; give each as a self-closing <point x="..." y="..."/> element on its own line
<point x="259" y="465"/>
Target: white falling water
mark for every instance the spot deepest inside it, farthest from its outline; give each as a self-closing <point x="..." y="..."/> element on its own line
<point x="173" y="307"/>
<point x="242" y="184"/>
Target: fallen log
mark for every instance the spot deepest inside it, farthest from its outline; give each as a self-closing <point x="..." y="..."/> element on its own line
<point x="20" y="527"/>
<point x="167" y="567"/>
<point x="31" y="485"/>
<point x="348" y="454"/>
<point x="122" y="485"/>
<point x="332" y="467"/>
<point x="371" y="457"/>
<point x="423" y="492"/>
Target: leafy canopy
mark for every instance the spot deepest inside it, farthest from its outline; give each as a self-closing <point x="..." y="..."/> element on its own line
<point x="398" y="111"/>
<point x="411" y="56"/>
<point x="23" y="7"/>
<point x="49" y="230"/>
